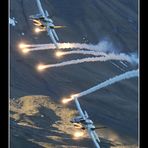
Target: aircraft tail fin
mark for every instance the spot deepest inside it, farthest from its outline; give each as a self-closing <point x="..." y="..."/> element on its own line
<point x="86" y="114"/>
<point x="46" y="13"/>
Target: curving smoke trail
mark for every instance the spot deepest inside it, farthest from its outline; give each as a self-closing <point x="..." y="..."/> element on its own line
<point x="121" y="57"/>
<point x="126" y="75"/>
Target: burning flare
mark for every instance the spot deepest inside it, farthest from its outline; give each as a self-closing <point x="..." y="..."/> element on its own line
<point x="65" y="100"/>
<point x="37" y="30"/>
<point x="22" y="45"/>
<point x="40" y="67"/>
<point x="58" y="53"/>
<point x="78" y="134"/>
<point x="25" y="50"/>
<point x="72" y="97"/>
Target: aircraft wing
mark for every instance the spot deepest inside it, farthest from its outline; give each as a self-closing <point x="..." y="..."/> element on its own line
<point x="55" y="34"/>
<point x="50" y="33"/>
<point x="93" y="135"/>
<point x="40" y="7"/>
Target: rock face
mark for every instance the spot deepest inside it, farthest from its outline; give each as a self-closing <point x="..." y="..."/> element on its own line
<point x="39" y="121"/>
<point x="87" y="21"/>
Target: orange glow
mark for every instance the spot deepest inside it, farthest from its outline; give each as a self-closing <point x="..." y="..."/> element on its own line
<point x="40" y="67"/>
<point x="59" y="54"/>
<point x="78" y="134"/>
<point x="65" y="101"/>
<point x="25" y="50"/>
<point x="37" y="30"/>
<point x="22" y="45"/>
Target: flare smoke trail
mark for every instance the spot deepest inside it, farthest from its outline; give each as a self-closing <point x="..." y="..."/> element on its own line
<point x="121" y="57"/>
<point x="127" y="75"/>
<point x="101" y="46"/>
<point x="80" y="46"/>
<point x="33" y="48"/>
<point x="84" y="52"/>
<point x="61" y="46"/>
<point x="66" y="46"/>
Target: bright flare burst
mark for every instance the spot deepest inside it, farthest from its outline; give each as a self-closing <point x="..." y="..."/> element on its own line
<point x="78" y="134"/>
<point x="59" y="53"/>
<point x="25" y="50"/>
<point x="40" y="67"/>
<point x="22" y="45"/>
<point x="37" y="30"/>
<point x="66" y="100"/>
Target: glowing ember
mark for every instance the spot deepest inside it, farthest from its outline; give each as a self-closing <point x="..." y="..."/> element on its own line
<point x="59" y="54"/>
<point x="22" y="45"/>
<point x="37" y="30"/>
<point x="78" y="134"/>
<point x="65" y="101"/>
<point x="40" y="67"/>
<point x="25" y="50"/>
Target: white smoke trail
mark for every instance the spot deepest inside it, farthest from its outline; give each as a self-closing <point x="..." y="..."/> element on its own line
<point x="127" y="75"/>
<point x="39" y="48"/>
<point x="60" y="45"/>
<point x="68" y="46"/>
<point x="84" y="52"/>
<point x="121" y="57"/>
<point x="79" y="45"/>
<point x="101" y="46"/>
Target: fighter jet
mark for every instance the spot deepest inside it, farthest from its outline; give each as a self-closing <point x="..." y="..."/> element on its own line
<point x="84" y="122"/>
<point x="44" y="23"/>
